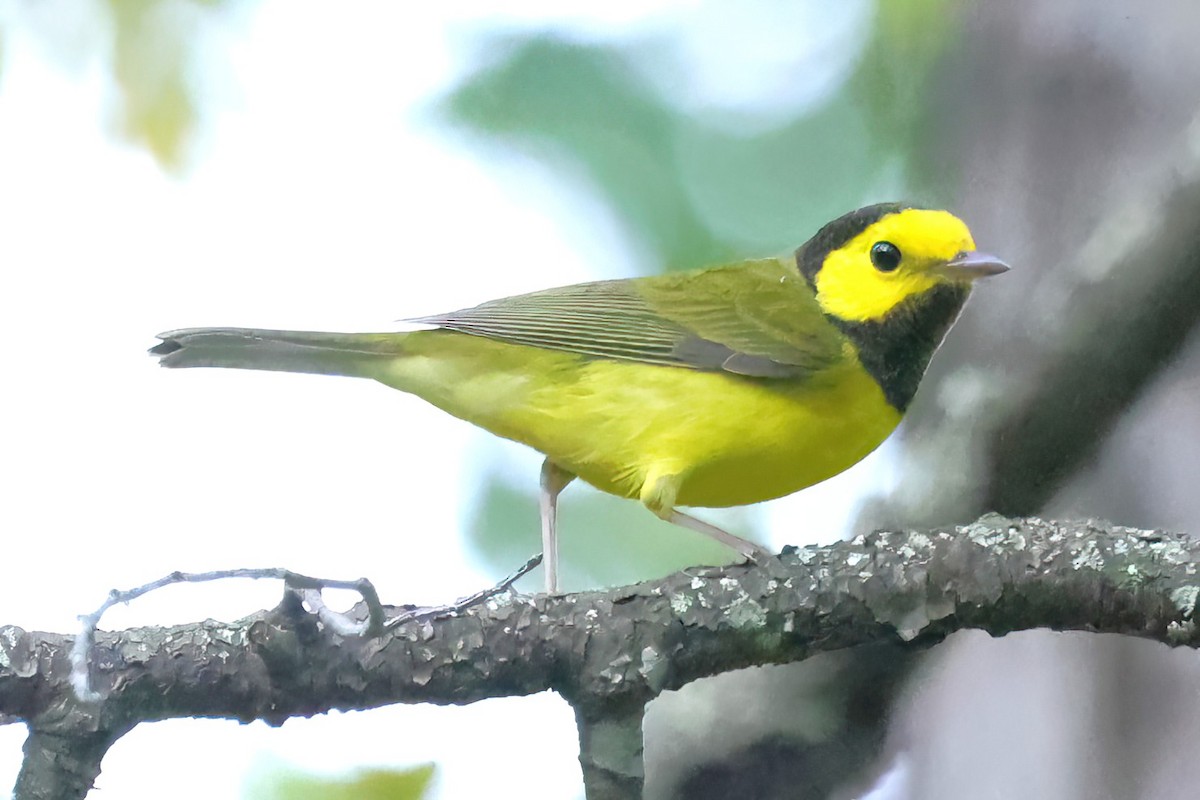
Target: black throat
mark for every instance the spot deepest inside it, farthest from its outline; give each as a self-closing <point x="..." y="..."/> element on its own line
<point x="896" y="349"/>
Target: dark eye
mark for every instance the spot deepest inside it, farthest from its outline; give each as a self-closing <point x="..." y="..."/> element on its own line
<point x="885" y="256"/>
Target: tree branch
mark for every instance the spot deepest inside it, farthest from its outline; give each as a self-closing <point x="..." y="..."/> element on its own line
<point x="309" y="586"/>
<point x="61" y="765"/>
<point x="1134" y="301"/>
<point x="610" y="652"/>
<point x="610" y="751"/>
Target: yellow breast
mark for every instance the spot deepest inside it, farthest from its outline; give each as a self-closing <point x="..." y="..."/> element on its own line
<point x="729" y="440"/>
<point x="724" y="440"/>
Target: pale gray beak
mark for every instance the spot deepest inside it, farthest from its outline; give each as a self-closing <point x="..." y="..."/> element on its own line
<point x="973" y="265"/>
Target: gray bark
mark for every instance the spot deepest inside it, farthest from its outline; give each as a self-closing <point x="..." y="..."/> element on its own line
<point x="610" y="652"/>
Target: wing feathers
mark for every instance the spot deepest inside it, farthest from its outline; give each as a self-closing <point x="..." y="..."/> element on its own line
<point x="747" y="319"/>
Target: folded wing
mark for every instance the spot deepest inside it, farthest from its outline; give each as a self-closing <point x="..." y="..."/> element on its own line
<point x="758" y="319"/>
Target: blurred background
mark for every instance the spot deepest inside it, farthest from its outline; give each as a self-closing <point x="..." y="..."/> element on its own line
<point x="167" y="163"/>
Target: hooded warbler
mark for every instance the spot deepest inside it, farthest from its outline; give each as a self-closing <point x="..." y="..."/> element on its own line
<point x="716" y="387"/>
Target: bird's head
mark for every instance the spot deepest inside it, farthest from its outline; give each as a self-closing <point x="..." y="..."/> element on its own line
<point x="866" y="264"/>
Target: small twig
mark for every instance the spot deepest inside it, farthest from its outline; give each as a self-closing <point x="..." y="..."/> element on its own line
<point x="336" y="621"/>
<point x="81" y="679"/>
<point x="433" y="612"/>
<point x="345" y="626"/>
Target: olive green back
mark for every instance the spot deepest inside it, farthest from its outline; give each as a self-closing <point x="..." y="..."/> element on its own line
<point x="755" y="318"/>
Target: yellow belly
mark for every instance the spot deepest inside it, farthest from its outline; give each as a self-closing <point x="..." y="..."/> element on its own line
<point x="724" y="440"/>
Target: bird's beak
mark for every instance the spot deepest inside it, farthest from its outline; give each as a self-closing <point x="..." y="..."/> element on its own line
<point x="972" y="265"/>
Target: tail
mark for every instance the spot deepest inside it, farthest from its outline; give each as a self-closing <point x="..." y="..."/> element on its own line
<point x="354" y="354"/>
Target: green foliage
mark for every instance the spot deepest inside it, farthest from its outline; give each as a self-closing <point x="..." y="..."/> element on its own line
<point x="152" y="53"/>
<point x="895" y="82"/>
<point x="692" y="188"/>
<point x="582" y="106"/>
<point x="156" y="53"/>
<point x="377" y="784"/>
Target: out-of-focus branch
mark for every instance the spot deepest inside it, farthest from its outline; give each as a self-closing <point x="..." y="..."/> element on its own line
<point x="610" y="652"/>
<point x="1097" y="332"/>
<point x="1125" y="309"/>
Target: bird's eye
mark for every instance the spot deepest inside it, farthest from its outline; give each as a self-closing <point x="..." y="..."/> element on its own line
<point x="885" y="256"/>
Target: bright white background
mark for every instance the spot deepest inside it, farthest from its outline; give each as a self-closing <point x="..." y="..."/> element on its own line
<point x="319" y="195"/>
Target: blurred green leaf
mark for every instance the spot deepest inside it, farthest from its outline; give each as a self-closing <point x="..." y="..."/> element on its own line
<point x="155" y="54"/>
<point x="582" y="106"/>
<point x="378" y="784"/>
<point x="768" y="193"/>
<point x="690" y="190"/>
<point x="151" y="54"/>
<point x="896" y="78"/>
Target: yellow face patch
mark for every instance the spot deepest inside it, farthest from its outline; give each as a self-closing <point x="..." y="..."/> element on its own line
<point x="851" y="287"/>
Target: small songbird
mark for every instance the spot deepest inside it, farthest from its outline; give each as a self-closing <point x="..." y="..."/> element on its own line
<point x="716" y="387"/>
